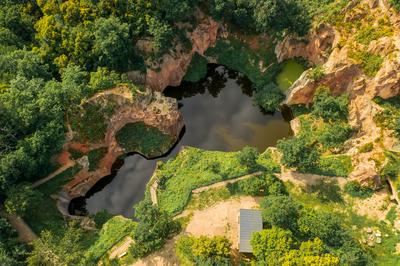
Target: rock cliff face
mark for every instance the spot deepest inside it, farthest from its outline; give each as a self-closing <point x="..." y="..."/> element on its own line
<point x="315" y="47"/>
<point x="151" y="108"/>
<point x="174" y="66"/>
<point x="343" y="74"/>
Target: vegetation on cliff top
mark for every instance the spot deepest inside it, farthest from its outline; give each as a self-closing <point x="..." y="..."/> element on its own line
<point x="322" y="134"/>
<point x="144" y="139"/>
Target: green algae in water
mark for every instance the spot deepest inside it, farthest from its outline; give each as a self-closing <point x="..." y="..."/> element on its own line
<point x="291" y="71"/>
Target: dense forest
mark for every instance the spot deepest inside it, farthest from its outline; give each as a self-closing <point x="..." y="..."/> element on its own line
<point x="55" y="54"/>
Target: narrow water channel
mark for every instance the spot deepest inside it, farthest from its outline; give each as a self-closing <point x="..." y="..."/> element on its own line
<point x="219" y="114"/>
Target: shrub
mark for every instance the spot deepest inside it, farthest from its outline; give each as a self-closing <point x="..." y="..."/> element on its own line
<point x="262" y="185"/>
<point x="395" y="4"/>
<point x="366" y="147"/>
<point x="281" y="211"/>
<point x="317" y="73"/>
<point x="204" y="250"/>
<point x="21" y="197"/>
<point x="354" y="189"/>
<point x="370" y="63"/>
<point x="333" y="135"/>
<point x="324" y="225"/>
<point x="154" y="228"/>
<point x="392" y="168"/>
<point x="95" y="156"/>
<point x="248" y="156"/>
<point x="333" y="165"/>
<point x="297" y="153"/>
<point x="329" y="107"/>
<point x="270" y="245"/>
<point x="268" y="97"/>
<point x="370" y="33"/>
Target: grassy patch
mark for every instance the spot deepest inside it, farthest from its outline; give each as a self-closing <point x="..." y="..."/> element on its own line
<point x="269" y="162"/>
<point x="208" y="198"/>
<point x="144" y="139"/>
<point x="391" y="216"/>
<point x="366" y="147"/>
<point x="334" y="165"/>
<point x="95" y="156"/>
<point x="370" y="63"/>
<point x="194" y="168"/>
<point x="354" y="189"/>
<point x="113" y="231"/>
<point x="370" y="33"/>
<point x="390" y="117"/>
<point x="50" y="219"/>
<point x="326" y="191"/>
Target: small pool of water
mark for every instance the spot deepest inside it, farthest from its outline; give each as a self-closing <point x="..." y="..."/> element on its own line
<point x="219" y="114"/>
<point x="291" y="71"/>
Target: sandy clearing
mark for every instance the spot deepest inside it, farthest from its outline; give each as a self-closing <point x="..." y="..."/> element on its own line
<point x="220" y="219"/>
<point x="165" y="257"/>
<point x="374" y="206"/>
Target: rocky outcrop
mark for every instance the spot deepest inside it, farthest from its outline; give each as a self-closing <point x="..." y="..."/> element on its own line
<point x="343" y="74"/>
<point x="387" y="81"/>
<point x="174" y="66"/>
<point x="314" y="48"/>
<point x="338" y="80"/>
<point x="151" y="108"/>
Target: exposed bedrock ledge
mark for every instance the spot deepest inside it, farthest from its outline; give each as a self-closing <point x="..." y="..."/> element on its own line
<point x="151" y="108"/>
<point x="174" y="66"/>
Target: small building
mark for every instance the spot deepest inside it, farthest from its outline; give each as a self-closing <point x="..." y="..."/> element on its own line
<point x="250" y="221"/>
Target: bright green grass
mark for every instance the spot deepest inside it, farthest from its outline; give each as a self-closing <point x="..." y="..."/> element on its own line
<point x="46" y="216"/>
<point x="208" y="198"/>
<point x="194" y="168"/>
<point x="113" y="231"/>
<point x="334" y="165"/>
<point x="290" y="72"/>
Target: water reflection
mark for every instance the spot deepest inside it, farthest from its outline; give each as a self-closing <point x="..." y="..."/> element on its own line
<point x="218" y="115"/>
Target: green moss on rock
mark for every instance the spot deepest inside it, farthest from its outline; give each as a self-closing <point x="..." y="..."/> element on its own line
<point x="144" y="139"/>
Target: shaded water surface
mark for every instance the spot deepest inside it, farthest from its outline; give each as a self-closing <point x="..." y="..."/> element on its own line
<point x="219" y="115"/>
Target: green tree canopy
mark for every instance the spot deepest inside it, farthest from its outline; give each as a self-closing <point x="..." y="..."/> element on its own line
<point x="270" y="245"/>
<point x="280" y="211"/>
<point x="205" y="250"/>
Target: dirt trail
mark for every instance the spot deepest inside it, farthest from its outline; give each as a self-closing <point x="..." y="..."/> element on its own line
<point x="25" y="233"/>
<point x="120" y="249"/>
<point x="67" y="165"/>
<point x="307" y="179"/>
<point x="224" y="183"/>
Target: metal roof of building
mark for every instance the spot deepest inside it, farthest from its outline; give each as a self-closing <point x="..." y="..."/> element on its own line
<point x="250" y="221"/>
